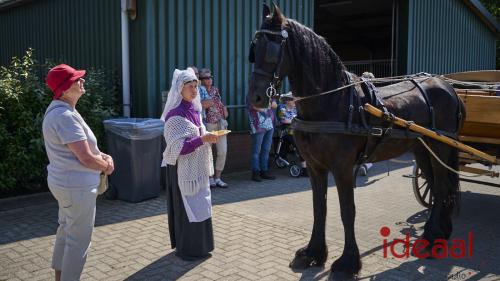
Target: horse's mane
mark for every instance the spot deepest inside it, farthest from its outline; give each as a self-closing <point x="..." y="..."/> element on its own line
<point x="321" y="67"/>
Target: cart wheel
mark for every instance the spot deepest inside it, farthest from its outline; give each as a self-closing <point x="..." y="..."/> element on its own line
<point x="295" y="170"/>
<point x="280" y="162"/>
<point x="421" y="188"/>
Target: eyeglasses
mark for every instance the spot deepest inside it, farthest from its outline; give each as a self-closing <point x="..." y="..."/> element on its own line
<point x="203" y="78"/>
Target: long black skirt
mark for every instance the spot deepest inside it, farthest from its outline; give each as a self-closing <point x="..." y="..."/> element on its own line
<point x="192" y="240"/>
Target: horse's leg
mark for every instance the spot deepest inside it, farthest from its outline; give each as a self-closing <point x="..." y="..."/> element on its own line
<point x="316" y="252"/>
<point x="445" y="193"/>
<point x="350" y="262"/>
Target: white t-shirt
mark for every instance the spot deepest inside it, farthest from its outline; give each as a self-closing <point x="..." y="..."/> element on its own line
<point x="62" y="125"/>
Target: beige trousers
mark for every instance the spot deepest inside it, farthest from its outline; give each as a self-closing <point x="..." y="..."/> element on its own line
<point x="76" y="223"/>
<point x="221" y="146"/>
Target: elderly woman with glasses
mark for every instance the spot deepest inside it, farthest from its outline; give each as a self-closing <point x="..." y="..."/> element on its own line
<point x="75" y="165"/>
<point x="216" y="114"/>
<point x="188" y="157"/>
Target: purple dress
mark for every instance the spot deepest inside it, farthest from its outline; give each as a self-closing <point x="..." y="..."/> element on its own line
<point x="192" y="240"/>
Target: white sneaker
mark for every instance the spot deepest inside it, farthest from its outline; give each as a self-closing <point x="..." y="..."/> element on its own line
<point x="220" y="183"/>
<point x="212" y="182"/>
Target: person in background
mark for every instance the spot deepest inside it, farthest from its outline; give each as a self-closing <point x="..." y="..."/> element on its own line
<point x="363" y="170"/>
<point x="216" y="120"/>
<point x="205" y="100"/>
<point x="262" y="122"/>
<point x="75" y="165"/>
<point x="188" y="158"/>
<point x="286" y="112"/>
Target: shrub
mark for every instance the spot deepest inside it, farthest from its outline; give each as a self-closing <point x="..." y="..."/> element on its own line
<point x="23" y="100"/>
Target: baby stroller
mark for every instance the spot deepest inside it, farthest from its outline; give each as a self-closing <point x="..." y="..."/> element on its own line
<point x="284" y="147"/>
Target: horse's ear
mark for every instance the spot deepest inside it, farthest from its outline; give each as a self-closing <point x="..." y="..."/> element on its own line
<point x="278" y="17"/>
<point x="266" y="11"/>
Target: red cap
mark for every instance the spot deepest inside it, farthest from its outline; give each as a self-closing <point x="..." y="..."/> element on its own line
<point x="61" y="77"/>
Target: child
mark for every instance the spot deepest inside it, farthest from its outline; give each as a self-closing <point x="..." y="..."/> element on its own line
<point x="286" y="112"/>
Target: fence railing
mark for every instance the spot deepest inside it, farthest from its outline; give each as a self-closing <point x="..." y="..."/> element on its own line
<point x="379" y="68"/>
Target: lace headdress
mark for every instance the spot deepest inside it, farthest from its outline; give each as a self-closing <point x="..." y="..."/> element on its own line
<point x="174" y="97"/>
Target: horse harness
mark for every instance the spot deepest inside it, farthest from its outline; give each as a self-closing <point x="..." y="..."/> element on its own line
<point x="274" y="54"/>
<point x="365" y="128"/>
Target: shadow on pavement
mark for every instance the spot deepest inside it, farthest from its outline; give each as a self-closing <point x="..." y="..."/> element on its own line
<point x="166" y="268"/>
<point x="479" y="216"/>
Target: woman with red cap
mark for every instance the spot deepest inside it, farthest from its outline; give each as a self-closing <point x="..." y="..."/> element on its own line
<point x="75" y="165"/>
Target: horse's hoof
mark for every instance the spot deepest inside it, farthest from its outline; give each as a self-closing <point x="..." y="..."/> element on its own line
<point x="340" y="276"/>
<point x="301" y="262"/>
<point x="350" y="265"/>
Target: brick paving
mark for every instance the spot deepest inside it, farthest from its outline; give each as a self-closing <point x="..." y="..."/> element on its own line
<point x="257" y="228"/>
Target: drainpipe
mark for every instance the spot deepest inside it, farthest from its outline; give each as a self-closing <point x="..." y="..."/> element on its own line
<point x="393" y="33"/>
<point x="125" y="60"/>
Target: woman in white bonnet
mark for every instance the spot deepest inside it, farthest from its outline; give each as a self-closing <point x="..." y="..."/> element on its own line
<point x="188" y="158"/>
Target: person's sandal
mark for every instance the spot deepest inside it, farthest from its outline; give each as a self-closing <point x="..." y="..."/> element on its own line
<point x="212" y="183"/>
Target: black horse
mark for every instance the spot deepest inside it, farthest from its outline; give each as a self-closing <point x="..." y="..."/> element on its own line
<point x="283" y="47"/>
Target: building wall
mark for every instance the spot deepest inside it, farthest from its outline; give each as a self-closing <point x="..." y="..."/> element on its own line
<point x="445" y="36"/>
<point x="82" y="33"/>
<point x="216" y="34"/>
<point x="166" y="34"/>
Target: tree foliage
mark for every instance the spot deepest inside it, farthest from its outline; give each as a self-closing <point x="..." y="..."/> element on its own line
<point x="493" y="7"/>
<point x="23" y="100"/>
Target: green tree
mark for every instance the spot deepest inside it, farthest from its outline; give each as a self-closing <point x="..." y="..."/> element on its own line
<point x="23" y="100"/>
<point x="493" y="7"/>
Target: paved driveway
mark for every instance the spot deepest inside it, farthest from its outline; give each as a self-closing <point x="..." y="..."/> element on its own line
<point x="258" y="227"/>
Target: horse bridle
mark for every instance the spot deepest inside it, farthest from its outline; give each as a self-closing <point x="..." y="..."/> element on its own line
<point x="275" y="75"/>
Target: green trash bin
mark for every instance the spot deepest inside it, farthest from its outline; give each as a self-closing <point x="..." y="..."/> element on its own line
<point x="135" y="145"/>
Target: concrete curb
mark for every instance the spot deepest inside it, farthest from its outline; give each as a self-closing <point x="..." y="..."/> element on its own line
<point x="23" y="201"/>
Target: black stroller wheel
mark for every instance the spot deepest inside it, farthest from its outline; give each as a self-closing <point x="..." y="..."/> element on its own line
<point x="295" y="170"/>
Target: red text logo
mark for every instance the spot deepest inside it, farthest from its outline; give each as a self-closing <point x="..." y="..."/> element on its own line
<point x="458" y="249"/>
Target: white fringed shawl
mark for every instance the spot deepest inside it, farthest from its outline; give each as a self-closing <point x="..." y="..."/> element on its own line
<point x="193" y="169"/>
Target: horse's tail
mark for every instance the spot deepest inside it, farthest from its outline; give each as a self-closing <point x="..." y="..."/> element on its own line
<point x="453" y="198"/>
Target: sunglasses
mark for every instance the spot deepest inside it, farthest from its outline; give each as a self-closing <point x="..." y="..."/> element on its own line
<point x="187" y="82"/>
<point x="204" y="78"/>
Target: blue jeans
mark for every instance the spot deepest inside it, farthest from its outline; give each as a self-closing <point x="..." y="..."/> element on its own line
<point x="261" y="145"/>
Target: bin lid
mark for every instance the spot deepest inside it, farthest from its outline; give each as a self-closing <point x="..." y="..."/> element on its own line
<point x="135" y="128"/>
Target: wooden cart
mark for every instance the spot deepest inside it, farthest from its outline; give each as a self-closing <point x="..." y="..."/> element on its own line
<point x="481" y="128"/>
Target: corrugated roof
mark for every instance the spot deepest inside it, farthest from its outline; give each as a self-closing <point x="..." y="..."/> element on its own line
<point x="6" y="4"/>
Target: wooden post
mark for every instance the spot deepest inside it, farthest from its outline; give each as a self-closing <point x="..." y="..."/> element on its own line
<point x="426" y="132"/>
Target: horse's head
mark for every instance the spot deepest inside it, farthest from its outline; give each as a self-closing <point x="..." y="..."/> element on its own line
<point x="267" y="53"/>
